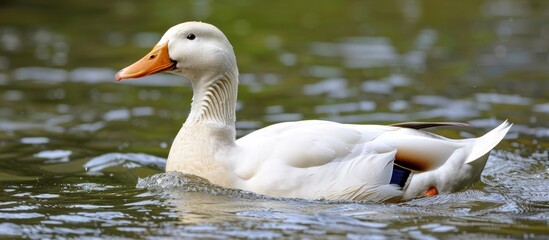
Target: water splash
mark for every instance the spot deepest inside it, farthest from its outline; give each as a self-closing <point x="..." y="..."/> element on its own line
<point x="176" y="181"/>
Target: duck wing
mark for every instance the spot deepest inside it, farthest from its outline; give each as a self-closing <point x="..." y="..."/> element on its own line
<point x="422" y="125"/>
<point x="318" y="159"/>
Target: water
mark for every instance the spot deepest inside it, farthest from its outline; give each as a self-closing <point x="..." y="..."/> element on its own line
<point x="82" y="156"/>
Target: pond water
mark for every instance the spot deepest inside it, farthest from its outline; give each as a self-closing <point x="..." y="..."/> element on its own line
<point x="83" y="156"/>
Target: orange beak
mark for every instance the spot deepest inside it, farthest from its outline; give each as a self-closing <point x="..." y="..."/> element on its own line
<point x="155" y="61"/>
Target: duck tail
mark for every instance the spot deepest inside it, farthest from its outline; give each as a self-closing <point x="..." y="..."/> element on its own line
<point x="483" y="145"/>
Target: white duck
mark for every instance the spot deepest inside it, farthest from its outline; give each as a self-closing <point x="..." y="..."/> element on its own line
<point x="304" y="159"/>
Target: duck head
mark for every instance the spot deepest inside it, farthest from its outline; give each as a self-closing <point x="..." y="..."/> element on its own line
<point x="193" y="50"/>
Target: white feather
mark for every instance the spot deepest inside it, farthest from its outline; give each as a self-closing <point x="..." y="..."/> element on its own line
<point x="484" y="144"/>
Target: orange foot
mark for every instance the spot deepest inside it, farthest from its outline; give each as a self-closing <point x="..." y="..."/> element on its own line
<point x="432" y="191"/>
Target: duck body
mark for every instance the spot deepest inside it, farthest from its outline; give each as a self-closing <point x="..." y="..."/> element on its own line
<point x="327" y="160"/>
<point x="305" y="159"/>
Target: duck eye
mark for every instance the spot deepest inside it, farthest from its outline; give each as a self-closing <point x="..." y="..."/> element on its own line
<point x="191" y="36"/>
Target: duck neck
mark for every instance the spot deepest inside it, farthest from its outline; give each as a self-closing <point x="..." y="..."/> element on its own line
<point x="208" y="136"/>
<point x="214" y="101"/>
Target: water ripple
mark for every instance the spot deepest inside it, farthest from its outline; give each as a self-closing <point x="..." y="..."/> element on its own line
<point x="99" y="163"/>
